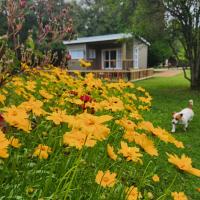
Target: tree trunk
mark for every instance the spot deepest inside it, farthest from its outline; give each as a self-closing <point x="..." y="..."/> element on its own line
<point x="195" y="77"/>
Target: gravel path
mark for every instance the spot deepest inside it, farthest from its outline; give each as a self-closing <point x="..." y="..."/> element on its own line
<point x="168" y="73"/>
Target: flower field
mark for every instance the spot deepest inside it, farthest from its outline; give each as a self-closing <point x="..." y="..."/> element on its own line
<point x="74" y="137"/>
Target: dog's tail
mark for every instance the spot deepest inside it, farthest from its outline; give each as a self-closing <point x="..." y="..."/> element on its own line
<point x="190" y="105"/>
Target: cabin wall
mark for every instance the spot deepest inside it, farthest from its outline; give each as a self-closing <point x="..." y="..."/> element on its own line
<point x="140" y="55"/>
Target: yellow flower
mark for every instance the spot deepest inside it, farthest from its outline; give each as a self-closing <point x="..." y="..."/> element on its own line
<point x="92" y="124"/>
<point x="112" y="103"/>
<point x="34" y="105"/>
<point x="146" y="125"/>
<point x="45" y="94"/>
<point x="30" y="86"/>
<point x="145" y="100"/>
<point x="179" y="196"/>
<point x="15" y="142"/>
<point x="160" y="133"/>
<point x="142" y="140"/>
<point x="146" y="144"/>
<point x="127" y="124"/>
<point x="58" y="116"/>
<point x="141" y="107"/>
<point x="17" y="117"/>
<point x="2" y="98"/>
<point x="132" y="193"/>
<point x="85" y="63"/>
<point x="130" y="153"/>
<point x="42" y="151"/>
<point x="167" y="137"/>
<point x="106" y="179"/>
<point x="79" y="139"/>
<point x="4" y="143"/>
<point x="111" y="152"/>
<point x="136" y="115"/>
<point x="155" y="178"/>
<point x="184" y="163"/>
<point x="140" y="89"/>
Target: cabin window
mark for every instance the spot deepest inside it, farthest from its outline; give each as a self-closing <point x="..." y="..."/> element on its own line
<point x="111" y="59"/>
<point x="77" y="54"/>
<point x="92" y="54"/>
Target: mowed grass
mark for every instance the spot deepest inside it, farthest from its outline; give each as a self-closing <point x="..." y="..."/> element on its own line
<point x="172" y="94"/>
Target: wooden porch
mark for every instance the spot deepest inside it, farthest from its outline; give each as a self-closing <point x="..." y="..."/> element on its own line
<point x="126" y="65"/>
<point x="114" y="75"/>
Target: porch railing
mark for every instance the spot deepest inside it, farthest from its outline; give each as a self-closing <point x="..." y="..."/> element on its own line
<point x="114" y="75"/>
<point x="126" y="64"/>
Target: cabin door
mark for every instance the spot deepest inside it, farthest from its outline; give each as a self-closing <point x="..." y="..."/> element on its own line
<point x="136" y="57"/>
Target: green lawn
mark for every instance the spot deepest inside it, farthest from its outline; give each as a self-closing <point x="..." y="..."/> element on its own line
<point x="172" y="94"/>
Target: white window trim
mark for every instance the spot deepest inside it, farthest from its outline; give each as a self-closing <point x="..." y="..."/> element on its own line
<point x="118" y="65"/>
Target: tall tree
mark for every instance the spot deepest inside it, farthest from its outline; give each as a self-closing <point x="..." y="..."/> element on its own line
<point x="186" y="15"/>
<point x="148" y="21"/>
<point x="98" y="17"/>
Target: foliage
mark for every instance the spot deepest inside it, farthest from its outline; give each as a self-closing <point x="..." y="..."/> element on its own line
<point x="102" y="17"/>
<point x="185" y="20"/>
<point x="34" y="32"/>
<point x="149" y="22"/>
<point x="9" y="64"/>
<point x="83" y="138"/>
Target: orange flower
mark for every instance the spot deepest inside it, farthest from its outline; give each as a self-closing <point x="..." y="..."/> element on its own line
<point x="179" y="196"/>
<point x="3" y="146"/>
<point x="111" y="152"/>
<point x="155" y="178"/>
<point x="198" y="189"/>
<point x="42" y="151"/>
<point x="184" y="163"/>
<point x="106" y="179"/>
<point x="15" y="142"/>
<point x="130" y="153"/>
<point x="132" y="193"/>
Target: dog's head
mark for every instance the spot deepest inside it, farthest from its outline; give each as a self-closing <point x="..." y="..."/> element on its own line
<point x="176" y="117"/>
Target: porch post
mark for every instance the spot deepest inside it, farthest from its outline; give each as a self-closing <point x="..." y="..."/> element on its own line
<point x="123" y="55"/>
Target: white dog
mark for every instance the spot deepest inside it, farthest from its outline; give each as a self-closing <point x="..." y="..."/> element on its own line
<point x="183" y="117"/>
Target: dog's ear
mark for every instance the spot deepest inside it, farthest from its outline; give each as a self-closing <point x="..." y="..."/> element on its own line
<point x="173" y="113"/>
<point x="178" y="117"/>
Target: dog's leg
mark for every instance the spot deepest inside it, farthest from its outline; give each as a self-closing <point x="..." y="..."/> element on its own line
<point x="173" y="128"/>
<point x="185" y="126"/>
